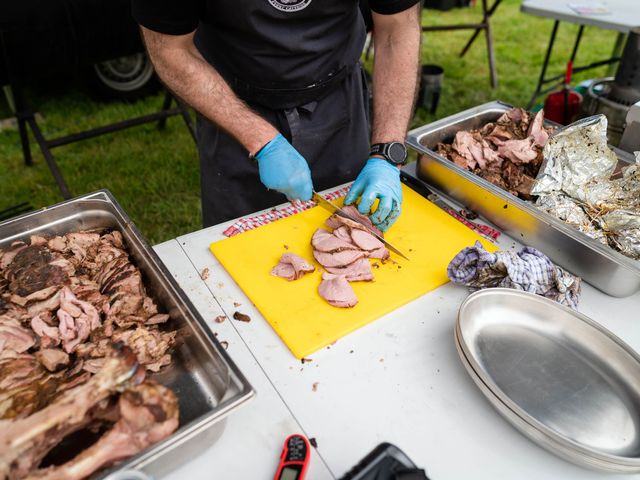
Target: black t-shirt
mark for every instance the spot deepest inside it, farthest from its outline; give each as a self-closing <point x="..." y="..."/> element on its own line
<point x="269" y="43"/>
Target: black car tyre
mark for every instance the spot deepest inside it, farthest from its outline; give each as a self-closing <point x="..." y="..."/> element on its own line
<point x="125" y="78"/>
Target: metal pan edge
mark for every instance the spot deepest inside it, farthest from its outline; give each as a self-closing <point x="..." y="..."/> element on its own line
<point x="519" y="417"/>
<point x="540" y="438"/>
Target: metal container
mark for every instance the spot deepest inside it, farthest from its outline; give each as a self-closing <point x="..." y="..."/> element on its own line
<point x="601" y="266"/>
<point x="560" y="378"/>
<point x="206" y="381"/>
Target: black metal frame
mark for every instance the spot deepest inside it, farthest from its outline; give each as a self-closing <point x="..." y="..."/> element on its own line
<point x="478" y="27"/>
<point x="27" y="121"/>
<point x="558" y="80"/>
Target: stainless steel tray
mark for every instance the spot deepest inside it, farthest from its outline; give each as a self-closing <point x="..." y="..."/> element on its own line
<point x="560" y="378"/>
<point x="601" y="266"/>
<point x="206" y="381"/>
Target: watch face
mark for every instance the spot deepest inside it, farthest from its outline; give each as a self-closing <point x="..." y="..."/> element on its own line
<point x="397" y="152"/>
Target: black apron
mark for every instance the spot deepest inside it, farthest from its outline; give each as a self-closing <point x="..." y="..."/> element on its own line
<point x="295" y="62"/>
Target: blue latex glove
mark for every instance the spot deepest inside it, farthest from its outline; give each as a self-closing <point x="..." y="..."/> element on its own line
<point x="283" y="169"/>
<point x="378" y="179"/>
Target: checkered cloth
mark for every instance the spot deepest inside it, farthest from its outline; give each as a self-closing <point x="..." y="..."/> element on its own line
<point x="249" y="223"/>
<point x="528" y="270"/>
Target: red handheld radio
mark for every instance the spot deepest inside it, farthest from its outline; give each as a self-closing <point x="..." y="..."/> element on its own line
<point x="294" y="459"/>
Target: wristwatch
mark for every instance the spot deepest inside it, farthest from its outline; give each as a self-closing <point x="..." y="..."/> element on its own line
<point x="393" y="152"/>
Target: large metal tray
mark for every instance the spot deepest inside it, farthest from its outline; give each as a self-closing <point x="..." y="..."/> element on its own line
<point x="207" y="383"/>
<point x="559" y="377"/>
<point x="601" y="266"/>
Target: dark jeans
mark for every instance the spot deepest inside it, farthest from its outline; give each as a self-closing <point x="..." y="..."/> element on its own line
<point x="332" y="134"/>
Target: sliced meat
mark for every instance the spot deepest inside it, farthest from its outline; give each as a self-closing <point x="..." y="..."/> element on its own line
<point x="381" y="253"/>
<point x="35" y="296"/>
<point x="31" y="270"/>
<point x="365" y="241"/>
<point x="324" y="241"/>
<point x="338" y="259"/>
<point x="150" y="346"/>
<point x="335" y="289"/>
<point x="358" y="271"/>
<point x="77" y="319"/>
<point x="11" y="253"/>
<point x="336" y="221"/>
<point x="52" y="358"/>
<point x="469" y="148"/>
<point x="518" y="151"/>
<point x="537" y="131"/>
<point x="292" y="267"/>
<point x="49" y="334"/>
<point x="343" y="233"/>
<point x="14" y="337"/>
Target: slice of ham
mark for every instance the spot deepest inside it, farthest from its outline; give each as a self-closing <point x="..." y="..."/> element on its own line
<point x="292" y="267"/>
<point x="381" y="253"/>
<point x="358" y="271"/>
<point x="335" y="289"/>
<point x="344" y="233"/>
<point x="336" y="221"/>
<point x="324" y="241"/>
<point x="338" y="259"/>
<point x="365" y="241"/>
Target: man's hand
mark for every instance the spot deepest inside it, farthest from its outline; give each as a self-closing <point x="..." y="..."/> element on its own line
<point x="283" y="169"/>
<point x="378" y="179"/>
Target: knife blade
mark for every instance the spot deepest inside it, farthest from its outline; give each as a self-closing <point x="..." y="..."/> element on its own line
<point x="327" y="205"/>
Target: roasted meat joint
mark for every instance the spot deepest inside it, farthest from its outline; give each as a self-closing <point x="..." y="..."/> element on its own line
<point x="78" y="337"/>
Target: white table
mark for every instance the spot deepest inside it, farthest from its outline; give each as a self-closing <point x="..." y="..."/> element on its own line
<point x="397" y="379"/>
<point x="624" y="15"/>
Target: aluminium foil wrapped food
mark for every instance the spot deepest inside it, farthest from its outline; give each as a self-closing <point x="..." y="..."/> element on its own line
<point x="578" y="184"/>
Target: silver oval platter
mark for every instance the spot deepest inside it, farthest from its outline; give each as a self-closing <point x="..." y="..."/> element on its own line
<point x="560" y="378"/>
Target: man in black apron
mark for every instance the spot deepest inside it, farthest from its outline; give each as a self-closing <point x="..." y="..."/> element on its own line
<point x="283" y="105"/>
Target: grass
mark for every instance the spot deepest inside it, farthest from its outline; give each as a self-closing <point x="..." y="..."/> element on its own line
<point x="154" y="174"/>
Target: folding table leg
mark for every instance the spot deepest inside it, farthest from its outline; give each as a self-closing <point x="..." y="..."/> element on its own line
<point x="545" y="64"/>
<point x="24" y="139"/>
<point x="489" y="36"/>
<point x="166" y="105"/>
<point x="477" y="31"/>
<point x="617" y="52"/>
<point x="48" y="156"/>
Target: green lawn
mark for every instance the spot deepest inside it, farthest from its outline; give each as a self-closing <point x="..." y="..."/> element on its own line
<point x="154" y="174"/>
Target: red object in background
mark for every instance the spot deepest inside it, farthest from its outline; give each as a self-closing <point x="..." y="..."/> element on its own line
<point x="554" y="106"/>
<point x="294" y="459"/>
<point x="562" y="107"/>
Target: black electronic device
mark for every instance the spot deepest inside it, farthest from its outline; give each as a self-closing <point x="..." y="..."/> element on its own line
<point x="385" y="462"/>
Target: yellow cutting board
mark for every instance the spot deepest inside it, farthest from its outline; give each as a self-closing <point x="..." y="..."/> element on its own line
<point x="303" y="320"/>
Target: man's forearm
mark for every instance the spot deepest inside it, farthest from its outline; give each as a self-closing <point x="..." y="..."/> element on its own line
<point x="185" y="72"/>
<point x="395" y="75"/>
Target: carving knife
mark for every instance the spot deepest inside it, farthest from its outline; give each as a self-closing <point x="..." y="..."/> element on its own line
<point x="327" y="205"/>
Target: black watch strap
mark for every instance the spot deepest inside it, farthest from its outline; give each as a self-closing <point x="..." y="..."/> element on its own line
<point x="393" y="152"/>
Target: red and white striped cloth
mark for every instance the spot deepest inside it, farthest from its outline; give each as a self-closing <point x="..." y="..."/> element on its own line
<point x="249" y="223"/>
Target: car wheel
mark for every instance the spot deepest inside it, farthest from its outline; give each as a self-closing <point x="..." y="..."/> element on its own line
<point x="125" y="78"/>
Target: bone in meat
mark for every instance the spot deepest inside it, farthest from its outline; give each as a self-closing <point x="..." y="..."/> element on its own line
<point x="20" y="438"/>
<point x="148" y="414"/>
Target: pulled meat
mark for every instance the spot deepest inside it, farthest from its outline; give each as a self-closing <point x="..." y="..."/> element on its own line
<point x="506" y="153"/>
<point x="64" y="301"/>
